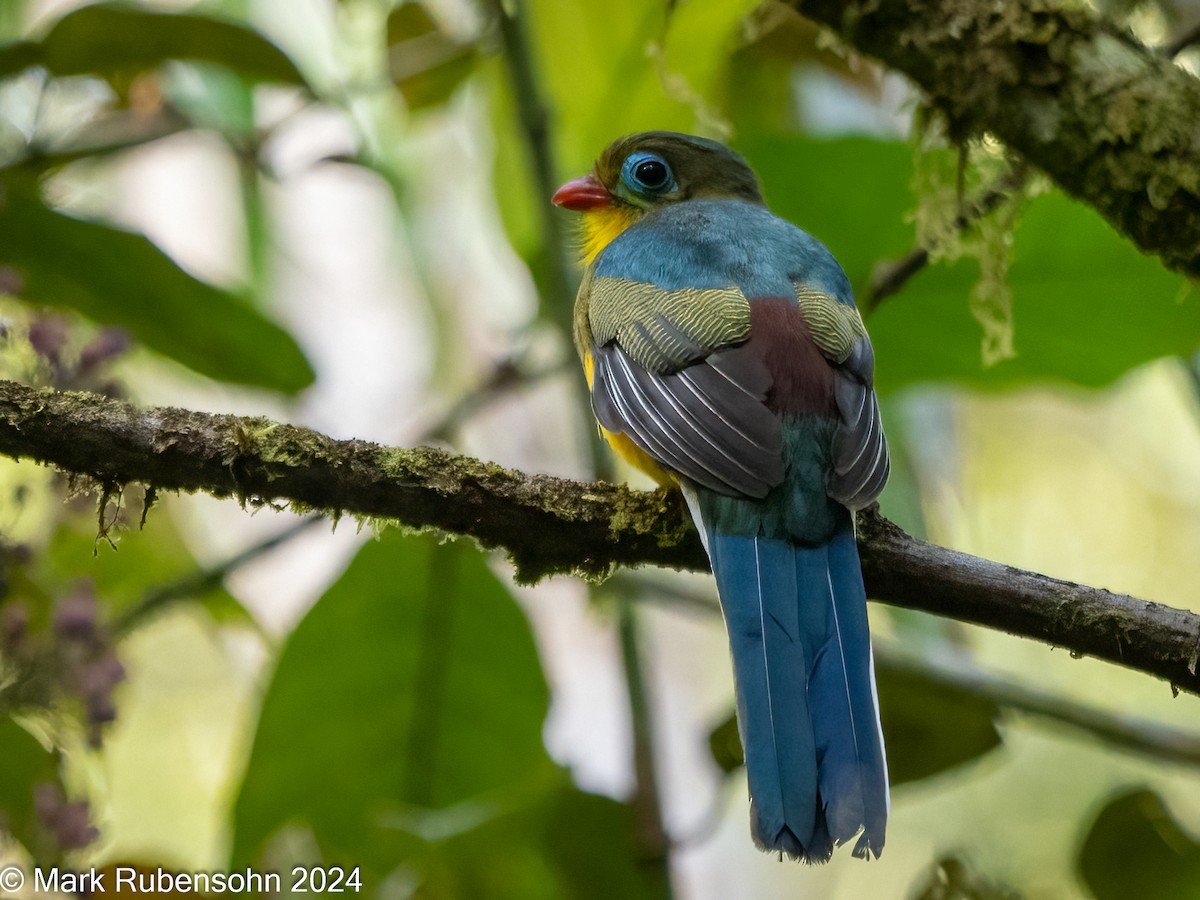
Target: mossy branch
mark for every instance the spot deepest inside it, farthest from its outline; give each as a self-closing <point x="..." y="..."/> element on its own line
<point x="547" y="525"/>
<point x="1113" y="122"/>
<point x="550" y="525"/>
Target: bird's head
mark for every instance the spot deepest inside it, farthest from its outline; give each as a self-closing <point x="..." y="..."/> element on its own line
<point x="647" y="171"/>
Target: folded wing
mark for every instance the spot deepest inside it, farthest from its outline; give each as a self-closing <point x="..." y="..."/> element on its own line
<point x="860" y="455"/>
<point x="671" y="371"/>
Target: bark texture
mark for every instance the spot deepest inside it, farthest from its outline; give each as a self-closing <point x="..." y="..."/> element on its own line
<point x="1114" y="123"/>
<point x="549" y="525"/>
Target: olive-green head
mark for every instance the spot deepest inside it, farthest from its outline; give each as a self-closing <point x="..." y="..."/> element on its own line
<point x="657" y="168"/>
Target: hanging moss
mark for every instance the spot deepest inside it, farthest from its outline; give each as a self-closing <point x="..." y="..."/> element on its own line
<point x="1111" y="121"/>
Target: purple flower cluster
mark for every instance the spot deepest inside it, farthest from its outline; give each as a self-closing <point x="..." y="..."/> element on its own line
<point x="50" y="337"/>
<point x="66" y="820"/>
<point x="76" y="660"/>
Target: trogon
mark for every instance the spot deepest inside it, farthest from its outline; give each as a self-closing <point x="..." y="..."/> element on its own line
<point x="725" y="356"/>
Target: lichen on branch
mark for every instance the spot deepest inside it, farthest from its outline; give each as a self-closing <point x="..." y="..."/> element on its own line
<point x="1111" y="121"/>
<point x="547" y="525"/>
<point x="550" y="525"/>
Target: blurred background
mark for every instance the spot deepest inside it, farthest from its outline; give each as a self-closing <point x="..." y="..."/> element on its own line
<point x="337" y="214"/>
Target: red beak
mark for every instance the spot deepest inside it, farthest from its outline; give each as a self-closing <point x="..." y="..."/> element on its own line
<point x="585" y="192"/>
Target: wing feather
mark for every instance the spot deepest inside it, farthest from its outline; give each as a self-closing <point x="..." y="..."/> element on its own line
<point x="709" y="441"/>
<point x="671" y="418"/>
<point x="633" y="416"/>
<point x="860" y="456"/>
<point x="706" y="422"/>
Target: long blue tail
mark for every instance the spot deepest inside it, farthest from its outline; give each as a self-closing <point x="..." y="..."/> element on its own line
<point x="807" y="712"/>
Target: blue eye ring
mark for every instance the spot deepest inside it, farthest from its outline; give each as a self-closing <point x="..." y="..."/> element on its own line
<point x="648" y="173"/>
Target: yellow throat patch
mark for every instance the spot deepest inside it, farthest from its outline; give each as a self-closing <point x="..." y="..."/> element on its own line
<point x="600" y="226"/>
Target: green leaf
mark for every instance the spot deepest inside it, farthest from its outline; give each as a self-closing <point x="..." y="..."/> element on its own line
<point x="213" y="97"/>
<point x="696" y="43"/>
<point x="410" y="21"/>
<point x="622" y="92"/>
<point x="1087" y="307"/>
<point x="589" y="839"/>
<point x="777" y="44"/>
<point x="851" y="193"/>
<point x="120" y="278"/>
<point x="1136" y="849"/>
<point x="109" y="39"/>
<point x="412" y="687"/>
<point x="725" y="744"/>
<point x="645" y="70"/>
<point x="553" y="842"/>
<point x="403" y="729"/>
<point x="427" y="65"/>
<point x="434" y="85"/>
<point x="25" y="762"/>
<point x="929" y="726"/>
<point x="17" y="56"/>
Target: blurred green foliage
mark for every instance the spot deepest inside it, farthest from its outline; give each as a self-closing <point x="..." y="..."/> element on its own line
<point x="433" y="760"/>
<point x="1136" y="849"/>
<point x="119" y="278"/>
<point x="427" y="65"/>
<point x="26" y="764"/>
<point x="401" y="726"/>
<point x="122" y="39"/>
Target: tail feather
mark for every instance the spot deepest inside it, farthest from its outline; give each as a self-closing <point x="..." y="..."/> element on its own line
<point x="773" y="715"/>
<point x="807" y="712"/>
<point x="851" y="765"/>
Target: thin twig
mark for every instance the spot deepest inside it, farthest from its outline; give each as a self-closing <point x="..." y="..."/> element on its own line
<point x="200" y="582"/>
<point x="557" y="294"/>
<point x="890" y="276"/>
<point x="107" y="136"/>
<point x="533" y="112"/>
<point x="534" y="116"/>
<point x="650" y="837"/>
<point x="1138" y="734"/>
<point x="1134" y="733"/>
<point x="507" y="375"/>
<point x="1191" y="367"/>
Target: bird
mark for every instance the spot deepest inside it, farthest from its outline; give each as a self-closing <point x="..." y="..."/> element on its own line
<point x="724" y="356"/>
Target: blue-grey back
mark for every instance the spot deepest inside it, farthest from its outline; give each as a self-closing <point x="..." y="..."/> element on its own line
<point x="718" y="243"/>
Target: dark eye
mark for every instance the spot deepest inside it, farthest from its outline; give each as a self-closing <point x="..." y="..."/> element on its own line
<point x="647" y="173"/>
<point x="653" y="173"/>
